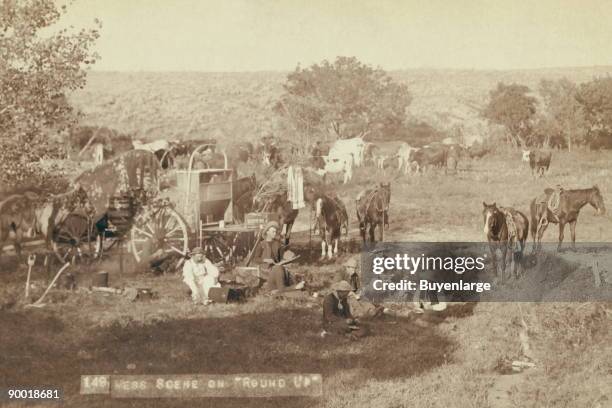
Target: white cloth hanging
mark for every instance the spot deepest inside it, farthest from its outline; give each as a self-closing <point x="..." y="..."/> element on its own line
<point x="295" y="187"/>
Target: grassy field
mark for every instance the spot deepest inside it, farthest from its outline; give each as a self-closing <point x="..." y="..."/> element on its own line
<point x="447" y="359"/>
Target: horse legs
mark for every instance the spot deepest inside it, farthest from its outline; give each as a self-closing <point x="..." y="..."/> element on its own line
<point x="288" y="227"/>
<point x="380" y="226"/>
<point x="561" y="228"/>
<point x="573" y="231"/>
<point x="336" y="246"/>
<point x="323" y="247"/>
<point x="492" y="249"/>
<point x="504" y="251"/>
<point x="372" y="230"/>
<point x="542" y="225"/>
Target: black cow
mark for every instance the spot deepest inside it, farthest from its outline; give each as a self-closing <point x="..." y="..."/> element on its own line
<point x="539" y="161"/>
<point x="434" y="156"/>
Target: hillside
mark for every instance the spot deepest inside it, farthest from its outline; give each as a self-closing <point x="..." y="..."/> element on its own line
<point x="156" y="105"/>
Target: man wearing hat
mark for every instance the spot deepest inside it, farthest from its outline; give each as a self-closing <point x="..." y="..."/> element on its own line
<point x="351" y="273"/>
<point x="200" y="275"/>
<point x="273" y="260"/>
<point x="337" y="317"/>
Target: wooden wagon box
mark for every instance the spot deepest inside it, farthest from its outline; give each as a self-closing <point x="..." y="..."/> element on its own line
<point x="256" y="220"/>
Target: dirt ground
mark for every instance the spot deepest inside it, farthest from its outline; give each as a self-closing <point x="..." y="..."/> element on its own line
<point x="435" y="359"/>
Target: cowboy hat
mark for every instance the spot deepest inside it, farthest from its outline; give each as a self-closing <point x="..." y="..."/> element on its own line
<point x="269" y="225"/>
<point x="342" y="286"/>
<point x="197" y="250"/>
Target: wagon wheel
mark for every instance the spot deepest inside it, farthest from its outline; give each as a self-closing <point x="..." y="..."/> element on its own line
<point x="73" y="241"/>
<point x="165" y="230"/>
<point x="217" y="249"/>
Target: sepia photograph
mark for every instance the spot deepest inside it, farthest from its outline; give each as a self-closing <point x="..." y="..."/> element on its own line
<point x="316" y="204"/>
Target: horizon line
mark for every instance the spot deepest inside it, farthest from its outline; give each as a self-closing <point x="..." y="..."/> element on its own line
<point x="135" y="71"/>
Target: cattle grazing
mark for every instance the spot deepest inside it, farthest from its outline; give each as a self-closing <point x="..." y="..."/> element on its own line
<point x="505" y="229"/>
<point x="477" y="151"/>
<point x="564" y="211"/>
<point x="431" y="156"/>
<point x="346" y="147"/>
<point x="338" y="165"/>
<point x="370" y="151"/>
<point x="405" y="157"/>
<point x="539" y="161"/>
<point x="373" y="211"/>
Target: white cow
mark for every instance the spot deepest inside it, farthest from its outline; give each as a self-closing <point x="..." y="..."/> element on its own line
<point x="343" y="147"/>
<point x="404" y="155"/>
<point x="342" y="164"/>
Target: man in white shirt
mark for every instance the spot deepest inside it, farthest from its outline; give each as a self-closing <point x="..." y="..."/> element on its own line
<point x="200" y="275"/>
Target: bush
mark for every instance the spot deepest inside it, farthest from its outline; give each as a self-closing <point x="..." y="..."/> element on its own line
<point x="20" y="169"/>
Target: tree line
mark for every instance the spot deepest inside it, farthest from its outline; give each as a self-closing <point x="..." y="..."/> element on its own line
<point x="565" y="115"/>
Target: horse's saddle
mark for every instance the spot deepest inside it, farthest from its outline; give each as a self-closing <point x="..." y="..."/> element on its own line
<point x="511" y="226"/>
<point x="551" y="200"/>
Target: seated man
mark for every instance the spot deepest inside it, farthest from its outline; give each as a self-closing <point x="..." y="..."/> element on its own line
<point x="273" y="271"/>
<point x="351" y="273"/>
<point x="359" y="308"/>
<point x="337" y="316"/>
<point x="200" y="275"/>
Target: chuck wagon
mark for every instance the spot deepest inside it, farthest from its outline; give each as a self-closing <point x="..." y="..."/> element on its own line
<point x="205" y="207"/>
<point x="201" y="207"/>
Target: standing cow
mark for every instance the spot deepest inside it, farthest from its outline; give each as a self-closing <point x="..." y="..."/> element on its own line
<point x="539" y="161"/>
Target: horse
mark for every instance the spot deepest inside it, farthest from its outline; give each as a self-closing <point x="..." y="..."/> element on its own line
<point x="570" y="204"/>
<point x="505" y="228"/>
<point x="17" y="215"/>
<point x="243" y="191"/>
<point x="330" y="216"/>
<point x="283" y="209"/>
<point x="372" y="207"/>
<point x="66" y="219"/>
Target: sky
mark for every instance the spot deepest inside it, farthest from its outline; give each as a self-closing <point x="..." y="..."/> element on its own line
<point x="276" y="35"/>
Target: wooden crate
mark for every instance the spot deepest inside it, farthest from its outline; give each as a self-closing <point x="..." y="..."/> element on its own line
<point x="257" y="220"/>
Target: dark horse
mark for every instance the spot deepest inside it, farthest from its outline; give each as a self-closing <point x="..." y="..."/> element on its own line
<point x="372" y="211"/>
<point x="330" y="215"/>
<point x="243" y="192"/>
<point x="570" y="204"/>
<point x="283" y="212"/>
<point x="505" y="228"/>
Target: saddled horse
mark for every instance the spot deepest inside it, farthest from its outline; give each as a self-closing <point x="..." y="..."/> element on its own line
<point x="331" y="215"/>
<point x="373" y="211"/>
<point x="17" y="215"/>
<point x="505" y="228"/>
<point x="65" y="218"/>
<point x="569" y="206"/>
